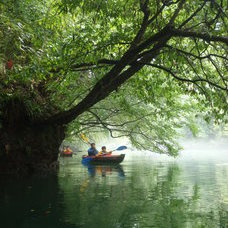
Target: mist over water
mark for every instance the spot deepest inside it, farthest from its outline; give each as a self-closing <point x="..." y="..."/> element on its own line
<point x="205" y="150"/>
<point x="201" y="150"/>
<point x="194" y="149"/>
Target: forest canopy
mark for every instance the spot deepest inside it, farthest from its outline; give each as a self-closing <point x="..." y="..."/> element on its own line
<point x="135" y="68"/>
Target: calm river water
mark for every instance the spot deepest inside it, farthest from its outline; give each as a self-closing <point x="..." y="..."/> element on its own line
<point x="146" y="192"/>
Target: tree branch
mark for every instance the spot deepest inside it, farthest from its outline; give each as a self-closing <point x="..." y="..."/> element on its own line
<point x="156" y="14"/>
<point x="203" y="36"/>
<point x="193" y="15"/>
<point x="145" y="9"/>
<point x="176" y="12"/>
<point x="103" y="62"/>
<point x="196" y="56"/>
<point x="194" y="81"/>
<point x="110" y="82"/>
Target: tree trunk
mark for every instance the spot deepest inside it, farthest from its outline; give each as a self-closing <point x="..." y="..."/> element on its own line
<point x="29" y="150"/>
<point x="25" y="148"/>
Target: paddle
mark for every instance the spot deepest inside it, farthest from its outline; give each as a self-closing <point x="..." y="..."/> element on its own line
<point x="85" y="138"/>
<point x="120" y="148"/>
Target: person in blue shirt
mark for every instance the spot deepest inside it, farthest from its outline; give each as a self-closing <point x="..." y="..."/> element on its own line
<point x="92" y="151"/>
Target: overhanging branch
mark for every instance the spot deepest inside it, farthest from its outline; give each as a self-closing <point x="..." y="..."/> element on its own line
<point x="194" y="81"/>
<point x="204" y="36"/>
<point x="196" y="56"/>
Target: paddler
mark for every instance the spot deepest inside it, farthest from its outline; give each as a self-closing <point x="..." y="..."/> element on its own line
<point x="104" y="151"/>
<point x="67" y="150"/>
<point x="92" y="151"/>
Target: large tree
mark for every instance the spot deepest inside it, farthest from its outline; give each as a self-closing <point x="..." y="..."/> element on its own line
<point x="61" y="59"/>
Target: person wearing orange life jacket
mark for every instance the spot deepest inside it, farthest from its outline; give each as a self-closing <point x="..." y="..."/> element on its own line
<point x="104" y="151"/>
<point x="67" y="150"/>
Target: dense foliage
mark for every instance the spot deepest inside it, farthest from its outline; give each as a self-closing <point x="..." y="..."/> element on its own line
<point x="62" y="58"/>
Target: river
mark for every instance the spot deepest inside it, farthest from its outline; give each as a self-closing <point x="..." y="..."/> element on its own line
<point x="144" y="191"/>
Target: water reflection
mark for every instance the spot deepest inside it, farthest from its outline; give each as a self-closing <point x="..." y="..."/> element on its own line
<point x="104" y="170"/>
<point x="134" y="194"/>
<point x="31" y="202"/>
<point x="150" y="195"/>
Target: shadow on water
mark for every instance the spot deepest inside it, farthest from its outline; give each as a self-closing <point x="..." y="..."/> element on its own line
<point x="31" y="202"/>
<point x="104" y="170"/>
<point x="134" y="194"/>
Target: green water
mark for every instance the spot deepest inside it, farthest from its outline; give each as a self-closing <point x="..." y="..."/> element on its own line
<point x="138" y="193"/>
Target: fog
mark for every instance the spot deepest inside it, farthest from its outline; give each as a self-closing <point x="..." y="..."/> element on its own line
<point x="194" y="149"/>
<point x="205" y="149"/>
<point x="198" y="150"/>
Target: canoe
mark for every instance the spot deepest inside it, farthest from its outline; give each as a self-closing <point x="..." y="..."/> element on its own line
<point x="104" y="159"/>
<point x="66" y="155"/>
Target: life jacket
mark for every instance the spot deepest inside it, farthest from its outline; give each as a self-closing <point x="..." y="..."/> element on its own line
<point x="67" y="151"/>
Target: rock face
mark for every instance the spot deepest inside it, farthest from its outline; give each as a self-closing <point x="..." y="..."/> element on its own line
<point x="25" y="148"/>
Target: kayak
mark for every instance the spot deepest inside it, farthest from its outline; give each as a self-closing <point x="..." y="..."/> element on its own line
<point x="66" y="154"/>
<point x="103" y="159"/>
